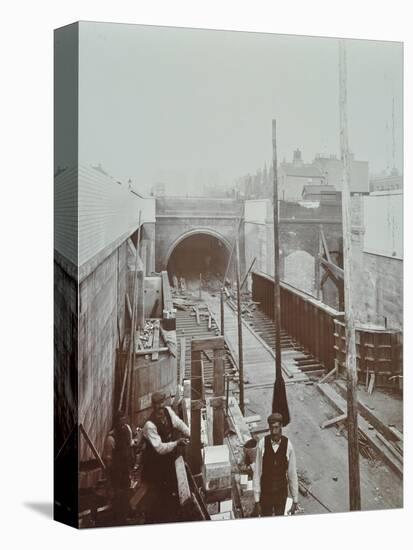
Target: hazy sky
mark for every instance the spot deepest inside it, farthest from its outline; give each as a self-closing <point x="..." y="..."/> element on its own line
<point x="187" y="107"/>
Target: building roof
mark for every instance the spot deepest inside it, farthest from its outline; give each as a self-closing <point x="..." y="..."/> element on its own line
<point x="312" y="189"/>
<point x="387" y="182"/>
<point x="301" y="170"/>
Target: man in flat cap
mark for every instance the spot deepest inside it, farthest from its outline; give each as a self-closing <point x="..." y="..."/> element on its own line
<point x="162" y="445"/>
<point x="274" y="472"/>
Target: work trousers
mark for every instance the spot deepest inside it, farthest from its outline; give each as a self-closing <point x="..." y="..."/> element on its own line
<point x="273" y="503"/>
<point x="120" y="505"/>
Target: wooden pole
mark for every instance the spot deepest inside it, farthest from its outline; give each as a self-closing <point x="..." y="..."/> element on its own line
<point x="200" y="286"/>
<point x="226" y="394"/>
<point x="196" y="399"/>
<point x="279" y="400"/>
<point x="239" y="319"/>
<point x="222" y="312"/>
<point x="277" y="305"/>
<point x="317" y="267"/>
<point x="351" y="368"/>
<point x="219" y="390"/>
<point x="131" y="355"/>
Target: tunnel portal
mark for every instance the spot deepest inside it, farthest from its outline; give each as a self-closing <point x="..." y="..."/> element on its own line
<point x="199" y="254"/>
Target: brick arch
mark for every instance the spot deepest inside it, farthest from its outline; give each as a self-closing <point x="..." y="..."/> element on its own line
<point x="190" y="233"/>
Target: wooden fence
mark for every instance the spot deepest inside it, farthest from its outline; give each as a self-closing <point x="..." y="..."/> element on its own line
<point x="303" y="317"/>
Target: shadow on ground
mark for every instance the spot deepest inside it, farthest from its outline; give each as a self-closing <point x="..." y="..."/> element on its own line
<point x="43" y="508"/>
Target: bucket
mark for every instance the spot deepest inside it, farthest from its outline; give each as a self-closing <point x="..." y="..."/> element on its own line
<point x="250" y="450"/>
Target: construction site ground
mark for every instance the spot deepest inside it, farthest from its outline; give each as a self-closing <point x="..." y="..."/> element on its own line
<point x="322" y="462"/>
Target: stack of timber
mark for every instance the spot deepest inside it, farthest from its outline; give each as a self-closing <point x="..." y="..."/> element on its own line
<point x="238" y="422"/>
<point x="148" y="338"/>
<point x="151" y="340"/>
<point x="372" y="416"/>
<point x="248" y="305"/>
<point x="154" y="369"/>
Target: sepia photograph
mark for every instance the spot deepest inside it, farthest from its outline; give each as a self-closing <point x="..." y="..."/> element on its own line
<point x="228" y="275"/>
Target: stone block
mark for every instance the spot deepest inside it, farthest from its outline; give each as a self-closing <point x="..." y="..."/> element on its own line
<point x="216" y="467"/>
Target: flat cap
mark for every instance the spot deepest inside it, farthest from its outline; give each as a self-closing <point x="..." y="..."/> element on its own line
<point x="275" y="417"/>
<point x="158" y="397"/>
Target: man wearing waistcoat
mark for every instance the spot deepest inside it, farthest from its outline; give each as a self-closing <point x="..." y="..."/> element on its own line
<point x="160" y="432"/>
<point x="274" y="472"/>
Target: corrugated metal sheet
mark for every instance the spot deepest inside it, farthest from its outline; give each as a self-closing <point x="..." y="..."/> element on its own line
<point x="92" y="211"/>
<point x="66" y="214"/>
<point x="107" y="210"/>
<point x="383" y="221"/>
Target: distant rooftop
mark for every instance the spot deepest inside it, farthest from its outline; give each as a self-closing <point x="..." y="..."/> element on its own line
<point x="318" y="189"/>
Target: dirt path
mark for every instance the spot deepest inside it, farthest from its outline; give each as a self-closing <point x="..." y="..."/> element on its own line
<point x="321" y="454"/>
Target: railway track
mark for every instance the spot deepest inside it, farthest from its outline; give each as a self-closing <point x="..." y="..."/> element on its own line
<point x="298" y="365"/>
<point x="293" y="355"/>
<point x="188" y="328"/>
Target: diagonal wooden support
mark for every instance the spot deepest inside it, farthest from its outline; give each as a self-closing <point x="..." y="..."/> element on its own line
<point x="324" y="243"/>
<point x="336" y="270"/>
<point x="91" y="445"/>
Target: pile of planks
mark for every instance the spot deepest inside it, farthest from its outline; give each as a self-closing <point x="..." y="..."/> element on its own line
<point x="148" y="339"/>
<point x="183" y="303"/>
<point x="237" y="421"/>
<point x="395" y="446"/>
<point x="370" y="438"/>
<point x="364" y="447"/>
<point x="146" y="334"/>
<point x="202" y="311"/>
<point x="248" y="306"/>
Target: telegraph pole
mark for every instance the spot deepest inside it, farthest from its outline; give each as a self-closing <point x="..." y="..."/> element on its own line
<point x="279" y="400"/>
<point x="239" y="322"/>
<point x="277" y="303"/>
<point x="351" y="367"/>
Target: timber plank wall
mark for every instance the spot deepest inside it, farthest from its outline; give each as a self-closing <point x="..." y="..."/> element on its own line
<point x="307" y="320"/>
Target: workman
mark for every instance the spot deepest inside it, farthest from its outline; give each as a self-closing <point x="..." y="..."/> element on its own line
<point x="163" y="447"/>
<point x="119" y="460"/>
<point x="274" y="472"/>
<point x="159" y="431"/>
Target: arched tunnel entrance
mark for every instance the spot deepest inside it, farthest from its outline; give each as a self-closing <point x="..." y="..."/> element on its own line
<point x="199" y="254"/>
